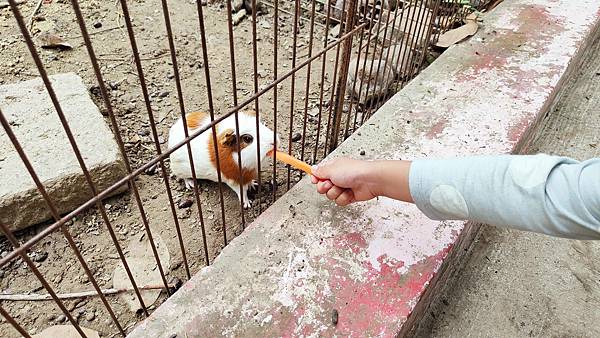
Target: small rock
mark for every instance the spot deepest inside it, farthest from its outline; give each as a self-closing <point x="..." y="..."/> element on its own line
<point x="61" y="319"/>
<point x="170" y="76"/>
<point x="89" y="316"/>
<point x="362" y="153"/>
<point x="163" y="94"/>
<point x="174" y="335"/>
<point x="185" y="203"/>
<point x="143" y="132"/>
<point x="297" y="137"/>
<point x="97" y="24"/>
<point x="40" y="256"/>
<point x="51" y="318"/>
<point x="151" y="171"/>
<point x="334" y="317"/>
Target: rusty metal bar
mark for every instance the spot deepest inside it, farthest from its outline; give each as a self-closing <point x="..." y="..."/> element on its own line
<point x="211" y="111"/>
<point x="12" y="321"/>
<point x="13" y="241"/>
<point x="322" y="86"/>
<point x="341" y="86"/>
<point x="275" y="47"/>
<point x="144" y="88"/>
<point x="104" y="92"/>
<point x="105" y="193"/>
<point x="79" y="157"/>
<point x="184" y="120"/>
<point x="308" y="69"/>
<point x="293" y="83"/>
<point x="256" y="110"/>
<point x="235" y="103"/>
<point x="333" y="87"/>
<point x="56" y="216"/>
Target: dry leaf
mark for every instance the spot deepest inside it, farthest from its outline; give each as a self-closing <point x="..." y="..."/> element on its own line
<point x="65" y="331"/>
<point x="51" y="40"/>
<point x="458" y="34"/>
<point x="145" y="271"/>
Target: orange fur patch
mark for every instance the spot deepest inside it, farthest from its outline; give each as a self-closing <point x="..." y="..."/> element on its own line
<point x="194" y="119"/>
<point x="229" y="167"/>
<point x="249" y="112"/>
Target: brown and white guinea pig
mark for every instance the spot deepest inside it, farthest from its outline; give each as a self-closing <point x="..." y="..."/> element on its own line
<point x="205" y="160"/>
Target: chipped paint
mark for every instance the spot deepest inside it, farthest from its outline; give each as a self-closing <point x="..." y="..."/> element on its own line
<point x="373" y="261"/>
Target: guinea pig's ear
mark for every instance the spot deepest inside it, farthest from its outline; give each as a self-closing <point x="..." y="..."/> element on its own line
<point x="227" y="138"/>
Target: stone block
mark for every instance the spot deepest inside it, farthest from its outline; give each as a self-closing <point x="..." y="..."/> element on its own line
<point x="31" y="114"/>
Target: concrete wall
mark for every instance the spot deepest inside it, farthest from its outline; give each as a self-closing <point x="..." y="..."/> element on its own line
<point x="377" y="264"/>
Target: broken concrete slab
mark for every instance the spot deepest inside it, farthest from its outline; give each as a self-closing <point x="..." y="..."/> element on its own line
<point x="378" y="264"/>
<point x="29" y="110"/>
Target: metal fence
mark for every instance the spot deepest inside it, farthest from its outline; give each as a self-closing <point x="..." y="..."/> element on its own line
<point x="359" y="53"/>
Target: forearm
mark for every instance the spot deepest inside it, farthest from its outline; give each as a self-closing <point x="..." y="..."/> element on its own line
<point x="393" y="179"/>
<point x="551" y="195"/>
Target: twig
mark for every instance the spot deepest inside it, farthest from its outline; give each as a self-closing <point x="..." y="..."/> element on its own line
<point x="5" y="4"/>
<point x="112" y="291"/>
<point x="37" y="8"/>
<point x="97" y="32"/>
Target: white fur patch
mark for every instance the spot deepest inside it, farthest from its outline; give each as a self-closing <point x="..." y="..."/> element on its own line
<point x="449" y="201"/>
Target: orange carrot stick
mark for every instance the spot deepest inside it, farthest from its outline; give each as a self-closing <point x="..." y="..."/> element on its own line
<point x="294" y="162"/>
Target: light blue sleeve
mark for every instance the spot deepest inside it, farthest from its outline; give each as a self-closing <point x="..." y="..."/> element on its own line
<point x="547" y="194"/>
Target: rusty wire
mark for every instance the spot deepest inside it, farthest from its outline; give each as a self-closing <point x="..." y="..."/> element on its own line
<point x="359" y="28"/>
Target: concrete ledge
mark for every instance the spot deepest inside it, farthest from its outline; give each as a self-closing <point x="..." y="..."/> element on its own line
<point x="377" y="264"/>
<point x="29" y="110"/>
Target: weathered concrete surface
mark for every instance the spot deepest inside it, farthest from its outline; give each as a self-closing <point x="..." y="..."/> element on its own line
<point x="35" y="122"/>
<point x="377" y="263"/>
<point x="519" y="284"/>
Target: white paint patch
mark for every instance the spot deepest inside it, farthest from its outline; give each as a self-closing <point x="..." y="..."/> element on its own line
<point x="530" y="171"/>
<point x="448" y="200"/>
<point x="403" y="234"/>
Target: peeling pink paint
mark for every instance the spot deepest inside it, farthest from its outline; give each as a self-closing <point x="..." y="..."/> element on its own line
<point x="437" y="128"/>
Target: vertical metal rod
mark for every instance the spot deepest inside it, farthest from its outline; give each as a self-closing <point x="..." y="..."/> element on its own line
<point x="343" y="78"/>
<point x="13" y="322"/>
<point x="352" y="91"/>
<point x="420" y="41"/>
<point x="293" y="84"/>
<point x="380" y="100"/>
<point x="235" y="103"/>
<point x="377" y="30"/>
<point x="275" y="61"/>
<point x="429" y="33"/>
<point x="407" y="49"/>
<point x="211" y="111"/>
<point x="56" y="216"/>
<point x="165" y="175"/>
<point x="257" y="115"/>
<point x="411" y="47"/>
<point x="323" y="67"/>
<point x="308" y="69"/>
<point x="73" y="143"/>
<point x="360" y="89"/>
<point x="13" y="241"/>
<point x="185" y="128"/>
<point x="115" y="125"/>
<point x="332" y="101"/>
<point x="377" y="100"/>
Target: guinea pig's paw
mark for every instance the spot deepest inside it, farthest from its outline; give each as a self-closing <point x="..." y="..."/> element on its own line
<point x="253" y="185"/>
<point x="247" y="204"/>
<point x="189" y="183"/>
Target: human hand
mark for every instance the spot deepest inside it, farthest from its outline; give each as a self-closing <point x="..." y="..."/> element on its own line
<point x="346" y="180"/>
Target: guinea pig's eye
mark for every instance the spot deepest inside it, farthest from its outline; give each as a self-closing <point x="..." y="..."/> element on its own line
<point x="247" y="138"/>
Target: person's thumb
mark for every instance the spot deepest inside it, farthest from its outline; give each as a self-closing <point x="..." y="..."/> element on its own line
<point x="321" y="171"/>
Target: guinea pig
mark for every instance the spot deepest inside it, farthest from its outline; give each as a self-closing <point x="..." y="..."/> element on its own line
<point x="203" y="151"/>
<point x="376" y="76"/>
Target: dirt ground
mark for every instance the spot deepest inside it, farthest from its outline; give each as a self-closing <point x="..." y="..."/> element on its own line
<point x="52" y="255"/>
